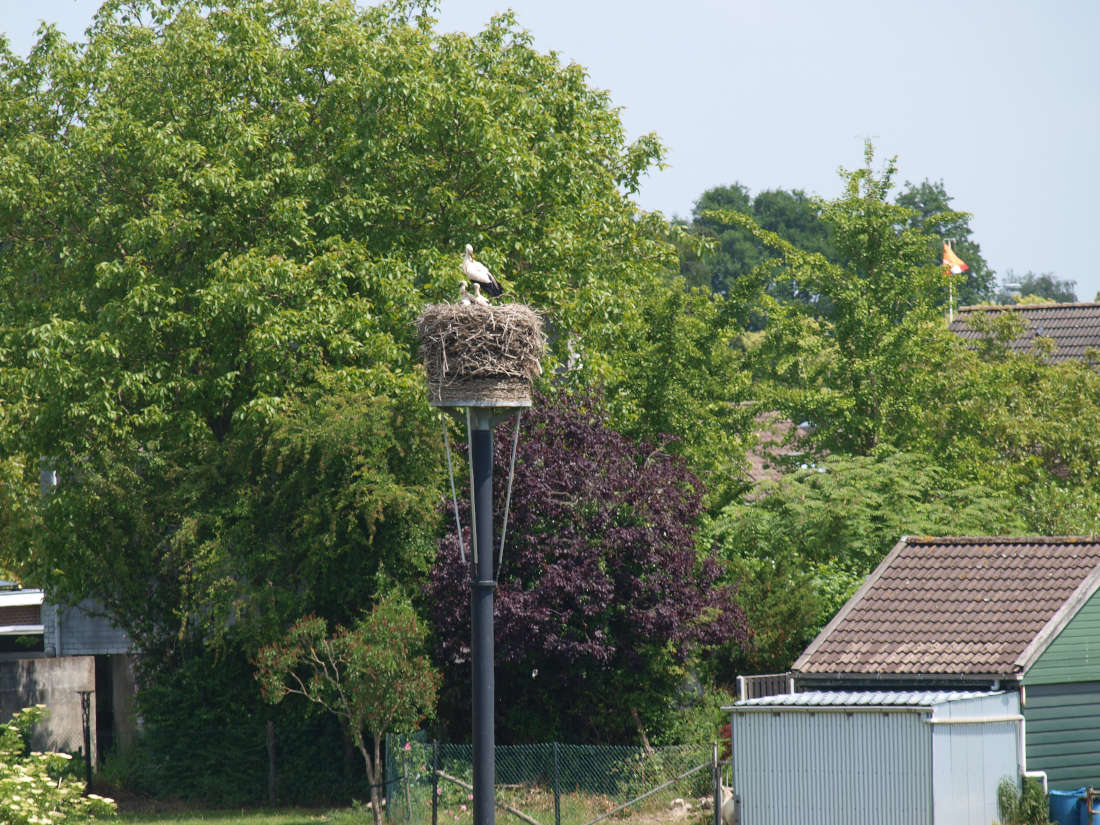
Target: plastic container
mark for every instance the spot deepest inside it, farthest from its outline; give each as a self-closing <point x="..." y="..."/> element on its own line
<point x="1086" y="817"/>
<point x="1069" y="807"/>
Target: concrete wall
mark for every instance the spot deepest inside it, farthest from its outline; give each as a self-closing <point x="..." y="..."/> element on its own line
<point x="54" y="683"/>
<point x="123" y="701"/>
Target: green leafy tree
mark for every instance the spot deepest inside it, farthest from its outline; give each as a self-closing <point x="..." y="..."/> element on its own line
<point x="685" y="386"/>
<point x="849" y="371"/>
<point x="1016" y="423"/>
<point x="801" y="545"/>
<point x="734" y="268"/>
<point x="932" y="206"/>
<point x="374" y="676"/>
<point x="217" y="223"/>
<point x="1034" y="287"/>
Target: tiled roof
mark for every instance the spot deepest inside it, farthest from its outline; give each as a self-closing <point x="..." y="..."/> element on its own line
<point x="1074" y="328"/>
<point x="958" y="606"/>
<point x="776" y="444"/>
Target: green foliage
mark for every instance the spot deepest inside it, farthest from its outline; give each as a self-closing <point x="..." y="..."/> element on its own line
<point x="697" y="719"/>
<point x="217" y="222"/>
<point x="204" y="739"/>
<point x="1032" y="287"/>
<point x="684" y="385"/>
<point x="802" y="544"/>
<point x="1022" y="806"/>
<point x="738" y="255"/>
<point x="932" y="207"/>
<point x="849" y="371"/>
<point x="40" y="787"/>
<point x="374" y="677"/>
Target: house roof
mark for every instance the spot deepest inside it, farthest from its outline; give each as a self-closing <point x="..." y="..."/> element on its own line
<point x="777" y="442"/>
<point x="1074" y="328"/>
<point x="978" y="606"/>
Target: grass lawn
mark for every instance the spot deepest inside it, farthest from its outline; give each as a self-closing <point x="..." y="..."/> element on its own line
<point x="290" y="816"/>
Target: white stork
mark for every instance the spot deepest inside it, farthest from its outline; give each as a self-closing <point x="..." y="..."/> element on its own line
<point x="463" y="295"/>
<point x="478" y="297"/>
<point x="478" y="273"/>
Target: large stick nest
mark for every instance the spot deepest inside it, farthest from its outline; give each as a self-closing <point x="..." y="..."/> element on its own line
<point x="476" y="344"/>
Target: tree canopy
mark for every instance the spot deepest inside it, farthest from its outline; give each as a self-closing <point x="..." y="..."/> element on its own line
<point x="933" y="210"/>
<point x="1033" y="287"/>
<point x="217" y="223"/>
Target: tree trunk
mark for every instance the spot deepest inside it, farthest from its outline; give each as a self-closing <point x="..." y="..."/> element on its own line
<point x="374" y="777"/>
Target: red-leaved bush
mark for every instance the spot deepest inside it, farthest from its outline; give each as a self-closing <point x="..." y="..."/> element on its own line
<point x="603" y="600"/>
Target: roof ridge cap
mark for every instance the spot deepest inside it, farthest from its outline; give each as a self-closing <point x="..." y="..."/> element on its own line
<point x="917" y="540"/>
<point x="1025" y="307"/>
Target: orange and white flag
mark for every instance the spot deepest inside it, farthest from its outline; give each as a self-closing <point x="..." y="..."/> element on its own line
<point x="951" y="261"/>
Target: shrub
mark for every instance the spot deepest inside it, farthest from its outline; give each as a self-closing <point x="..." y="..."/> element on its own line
<point x="1027" y="806"/>
<point x="40" y="787"/>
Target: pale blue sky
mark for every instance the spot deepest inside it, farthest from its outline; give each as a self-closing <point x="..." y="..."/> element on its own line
<point x="998" y="98"/>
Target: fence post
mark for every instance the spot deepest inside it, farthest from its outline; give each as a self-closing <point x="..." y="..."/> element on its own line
<point x="271" y="763"/>
<point x="405" y="771"/>
<point x="557" y="788"/>
<point x="435" y="782"/>
<point x="717" y="788"/>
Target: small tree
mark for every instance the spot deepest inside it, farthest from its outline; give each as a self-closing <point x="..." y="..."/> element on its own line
<point x="374" y="676"/>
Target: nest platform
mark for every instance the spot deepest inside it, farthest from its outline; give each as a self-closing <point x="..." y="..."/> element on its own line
<point x="480" y="356"/>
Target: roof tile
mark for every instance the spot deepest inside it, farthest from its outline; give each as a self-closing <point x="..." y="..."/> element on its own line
<point x="954" y="606"/>
<point x="1074" y="328"/>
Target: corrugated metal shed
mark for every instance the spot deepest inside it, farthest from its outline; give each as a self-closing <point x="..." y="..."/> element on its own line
<point x="920" y="757"/>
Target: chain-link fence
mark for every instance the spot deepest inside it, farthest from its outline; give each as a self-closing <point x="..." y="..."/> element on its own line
<point x="551" y="784"/>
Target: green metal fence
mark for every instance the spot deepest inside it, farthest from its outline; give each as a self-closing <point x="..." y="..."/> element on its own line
<point x="550" y="784"/>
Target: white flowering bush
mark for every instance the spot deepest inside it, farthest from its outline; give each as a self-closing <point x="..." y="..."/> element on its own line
<point x="38" y="788"/>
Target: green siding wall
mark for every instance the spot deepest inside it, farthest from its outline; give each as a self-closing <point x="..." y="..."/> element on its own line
<point x="1074" y="655"/>
<point x="1063" y="733"/>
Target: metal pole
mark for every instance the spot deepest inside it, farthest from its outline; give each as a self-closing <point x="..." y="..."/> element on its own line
<point x="86" y="721"/>
<point x="557" y="787"/>
<point x="435" y="782"/>
<point x="717" y="789"/>
<point x="481" y="615"/>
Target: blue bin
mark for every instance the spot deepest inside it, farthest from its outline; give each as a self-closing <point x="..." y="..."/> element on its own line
<point x="1086" y="817"/>
<point x="1068" y="807"/>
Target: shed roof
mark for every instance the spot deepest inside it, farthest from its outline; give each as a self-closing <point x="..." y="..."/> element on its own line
<point x="863" y="698"/>
<point x="976" y="606"/>
<point x="1074" y="328"/>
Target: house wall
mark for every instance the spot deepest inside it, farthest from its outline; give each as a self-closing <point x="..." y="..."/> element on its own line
<point x="76" y="631"/>
<point x="54" y="683"/>
<point x="1063" y="733"/>
<point x="1074" y="654"/>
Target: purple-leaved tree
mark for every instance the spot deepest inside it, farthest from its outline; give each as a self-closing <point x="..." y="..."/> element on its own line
<point x="603" y="601"/>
